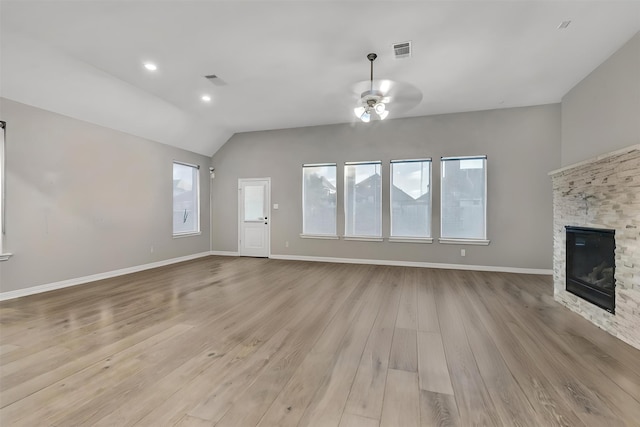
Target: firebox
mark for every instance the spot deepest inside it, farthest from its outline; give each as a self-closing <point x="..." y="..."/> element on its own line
<point x="591" y="265"/>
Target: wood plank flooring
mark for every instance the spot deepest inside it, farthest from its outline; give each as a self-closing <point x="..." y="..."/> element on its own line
<point x="257" y="342"/>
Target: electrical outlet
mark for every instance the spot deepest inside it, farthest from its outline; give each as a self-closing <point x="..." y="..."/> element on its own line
<point x="463" y="252"/>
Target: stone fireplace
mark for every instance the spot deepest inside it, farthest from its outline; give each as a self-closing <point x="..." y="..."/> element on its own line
<point x="600" y="194"/>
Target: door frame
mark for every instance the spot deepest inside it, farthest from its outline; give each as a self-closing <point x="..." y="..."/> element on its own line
<point x="240" y="216"/>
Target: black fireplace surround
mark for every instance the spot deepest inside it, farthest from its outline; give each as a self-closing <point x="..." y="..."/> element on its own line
<point x="591" y="265"/>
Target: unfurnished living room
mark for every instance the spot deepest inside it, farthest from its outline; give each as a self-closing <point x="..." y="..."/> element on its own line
<point x="332" y="213"/>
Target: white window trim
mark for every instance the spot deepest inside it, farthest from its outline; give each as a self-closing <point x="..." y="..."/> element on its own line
<point x="477" y="242"/>
<point x="181" y="235"/>
<point x="407" y="239"/>
<point x="363" y="238"/>
<point x="344" y="207"/>
<point x="427" y="240"/>
<point x="319" y="236"/>
<point x="198" y="231"/>
<point x="463" y="241"/>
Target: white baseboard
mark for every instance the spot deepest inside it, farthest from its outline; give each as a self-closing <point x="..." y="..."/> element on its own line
<point x="106" y="275"/>
<point x="94" y="277"/>
<point x="225" y="253"/>
<point x="416" y="264"/>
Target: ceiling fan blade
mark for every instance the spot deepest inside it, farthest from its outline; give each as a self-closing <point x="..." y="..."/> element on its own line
<point x="379" y="85"/>
<point x="404" y="96"/>
<point x="399" y="96"/>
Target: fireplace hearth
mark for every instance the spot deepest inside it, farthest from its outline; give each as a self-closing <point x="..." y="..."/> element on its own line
<point x="591" y="265"/>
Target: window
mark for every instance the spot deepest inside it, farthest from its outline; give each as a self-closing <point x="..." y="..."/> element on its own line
<point x="464" y="199"/>
<point x="186" y="197"/>
<point x="3" y="256"/>
<point x="363" y="199"/>
<point x="319" y="199"/>
<point x="411" y="198"/>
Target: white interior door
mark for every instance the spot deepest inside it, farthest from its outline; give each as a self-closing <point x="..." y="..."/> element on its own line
<point x="253" y="208"/>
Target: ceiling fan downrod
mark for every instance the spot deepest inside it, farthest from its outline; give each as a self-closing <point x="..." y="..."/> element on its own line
<point x="372" y="57"/>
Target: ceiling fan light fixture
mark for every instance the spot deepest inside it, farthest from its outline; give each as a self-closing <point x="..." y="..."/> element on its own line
<point x="384" y="115"/>
<point x="365" y="117"/>
<point x="358" y="111"/>
<point x="380" y="108"/>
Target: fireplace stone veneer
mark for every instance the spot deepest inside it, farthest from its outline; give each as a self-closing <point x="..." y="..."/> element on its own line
<point x="602" y="193"/>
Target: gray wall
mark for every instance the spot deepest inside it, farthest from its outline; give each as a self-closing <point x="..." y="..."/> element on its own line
<point x="522" y="145"/>
<point x="602" y="112"/>
<point x="83" y="199"/>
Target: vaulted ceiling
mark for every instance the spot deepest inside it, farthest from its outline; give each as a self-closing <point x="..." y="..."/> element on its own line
<point x="292" y="64"/>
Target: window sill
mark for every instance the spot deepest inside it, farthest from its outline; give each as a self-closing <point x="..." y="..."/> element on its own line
<point x="181" y="235"/>
<point x="477" y="242"/>
<point x="319" y="236"/>
<point x="363" y="238"/>
<point x="4" y="257"/>
<point x="411" y="240"/>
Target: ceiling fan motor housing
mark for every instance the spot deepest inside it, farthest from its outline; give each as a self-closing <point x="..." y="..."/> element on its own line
<point x="375" y="95"/>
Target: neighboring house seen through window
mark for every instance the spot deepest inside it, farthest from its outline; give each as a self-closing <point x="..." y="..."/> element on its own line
<point x="319" y="199"/>
<point x="363" y="199"/>
<point x="464" y="198"/>
<point x="411" y="198"/>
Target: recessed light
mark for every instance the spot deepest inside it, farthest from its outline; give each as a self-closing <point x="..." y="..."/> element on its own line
<point x="563" y="25"/>
<point x="206" y="98"/>
<point x="150" y="66"/>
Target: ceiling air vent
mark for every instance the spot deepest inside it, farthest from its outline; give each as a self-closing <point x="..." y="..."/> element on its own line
<point x="215" y="80"/>
<point x="402" y="50"/>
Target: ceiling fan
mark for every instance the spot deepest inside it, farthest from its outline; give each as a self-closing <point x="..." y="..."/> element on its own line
<point x="373" y="103"/>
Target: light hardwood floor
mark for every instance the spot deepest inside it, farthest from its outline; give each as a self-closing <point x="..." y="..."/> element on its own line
<point x="245" y="342"/>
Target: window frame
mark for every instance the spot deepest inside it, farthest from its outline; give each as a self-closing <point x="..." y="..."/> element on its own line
<point x="411" y="239"/>
<point x="377" y="238"/>
<point x="305" y="235"/>
<point x="198" y="205"/>
<point x="3" y="190"/>
<point x="464" y="240"/>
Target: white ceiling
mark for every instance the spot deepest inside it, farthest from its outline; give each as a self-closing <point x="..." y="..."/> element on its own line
<point x="292" y="64"/>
